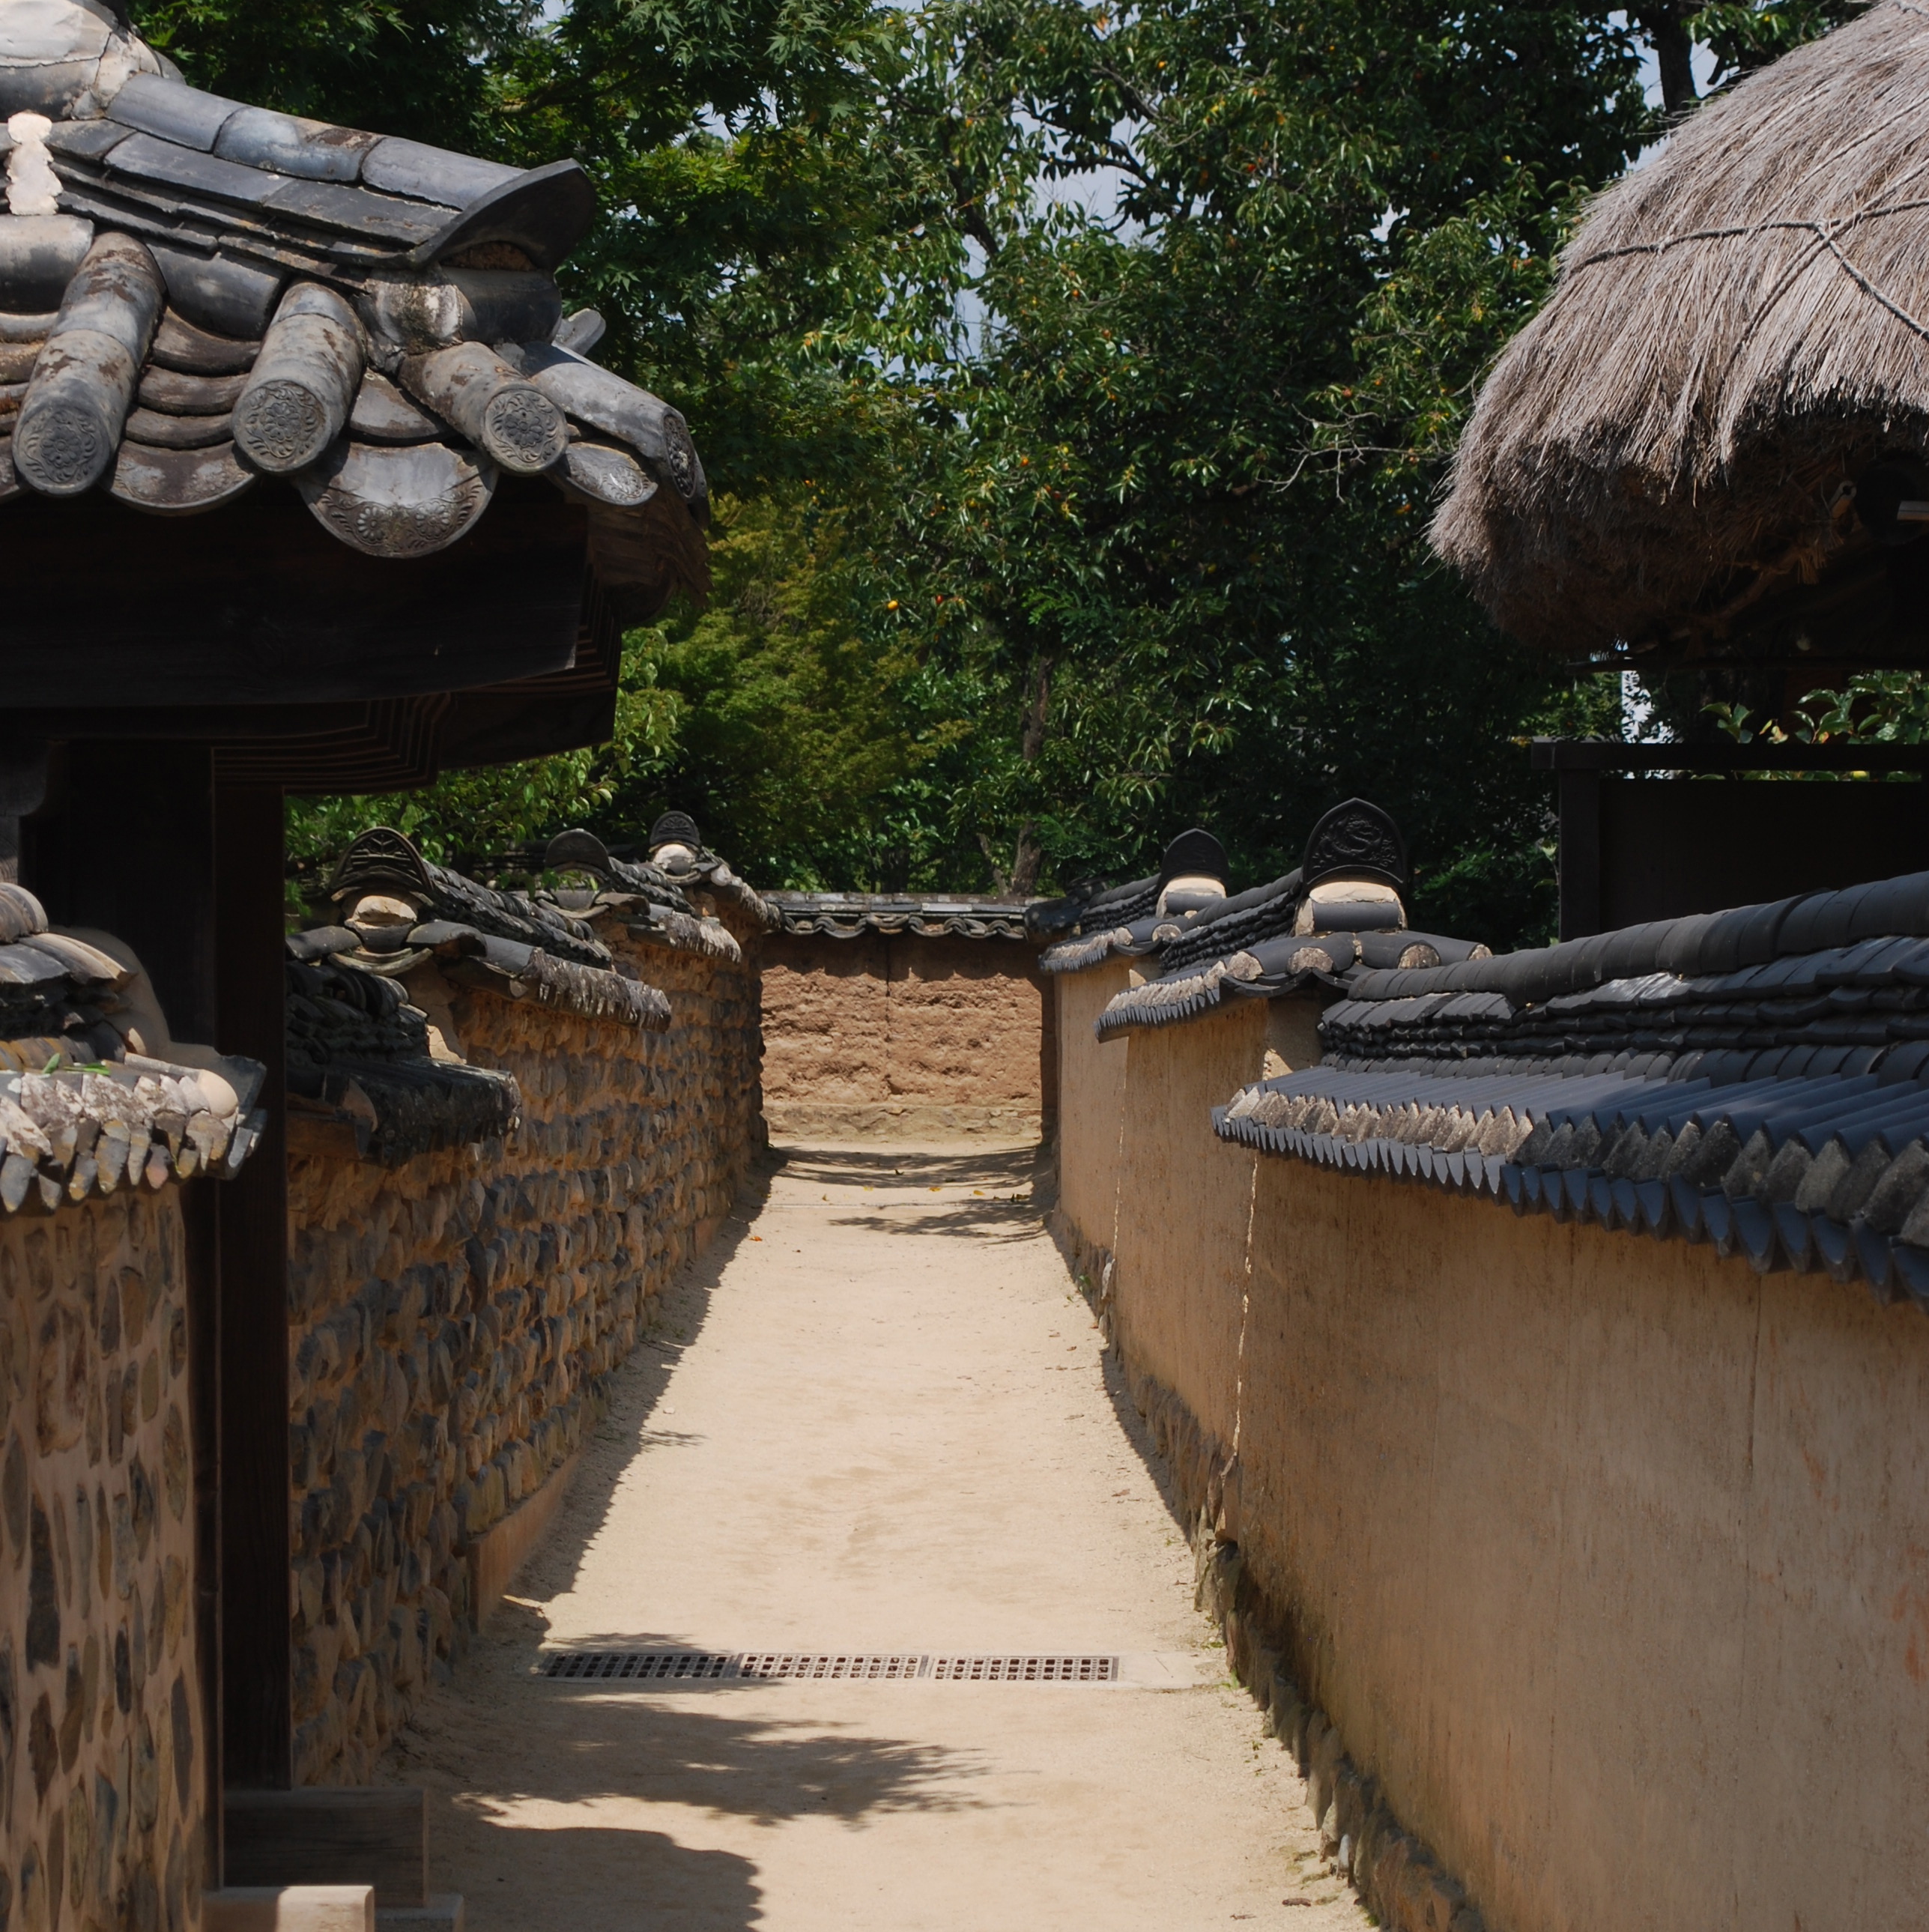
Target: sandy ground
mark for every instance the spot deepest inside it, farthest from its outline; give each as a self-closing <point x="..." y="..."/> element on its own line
<point x="876" y="1417"/>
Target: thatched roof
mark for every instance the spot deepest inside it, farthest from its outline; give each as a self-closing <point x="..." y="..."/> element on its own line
<point x="1667" y="455"/>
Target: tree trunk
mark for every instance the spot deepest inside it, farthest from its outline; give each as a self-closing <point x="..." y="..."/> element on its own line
<point x="1666" y="28"/>
<point x="1030" y="855"/>
<point x="1031" y="740"/>
<point x="1000" y="879"/>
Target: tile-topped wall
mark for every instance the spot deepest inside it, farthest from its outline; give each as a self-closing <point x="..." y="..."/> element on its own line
<point x="454" y="1318"/>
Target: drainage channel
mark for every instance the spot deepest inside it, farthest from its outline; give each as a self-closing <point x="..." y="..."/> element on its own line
<point x="768" y="1666"/>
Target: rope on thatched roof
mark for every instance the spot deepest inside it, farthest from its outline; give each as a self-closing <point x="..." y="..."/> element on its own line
<point x="1736" y="328"/>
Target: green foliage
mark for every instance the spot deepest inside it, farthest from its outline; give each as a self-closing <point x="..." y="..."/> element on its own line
<point x="1045" y="532"/>
<point x="1173" y="508"/>
<point x="1745" y="34"/>
<point x="425" y="68"/>
<point x="1878" y="707"/>
<point x="789" y="722"/>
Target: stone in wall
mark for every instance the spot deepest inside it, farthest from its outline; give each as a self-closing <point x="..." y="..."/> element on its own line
<point x="454" y="1318"/>
<point x="101" y="1764"/>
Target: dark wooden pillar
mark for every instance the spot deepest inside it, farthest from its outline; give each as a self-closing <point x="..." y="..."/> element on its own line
<point x="127" y="844"/>
<point x="256" y="1684"/>
<point x="123" y="841"/>
<point x="1580" y="803"/>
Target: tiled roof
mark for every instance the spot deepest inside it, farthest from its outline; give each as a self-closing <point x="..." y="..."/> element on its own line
<point x="653" y="902"/>
<point x="1758" y="1078"/>
<point x="93" y="1095"/>
<point x="399" y="911"/>
<point x="931" y="916"/>
<point x="359" y="1052"/>
<point x="1336" y="915"/>
<point x="202" y="296"/>
<point x="360" y="1055"/>
<point x="1355" y="840"/>
<point x="1271" y="968"/>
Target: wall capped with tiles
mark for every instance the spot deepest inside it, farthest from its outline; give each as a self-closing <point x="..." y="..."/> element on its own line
<point x="454" y="1318"/>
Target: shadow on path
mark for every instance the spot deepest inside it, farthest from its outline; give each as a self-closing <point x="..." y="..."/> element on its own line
<point x="709" y="1747"/>
<point x="573" y="1806"/>
<point x="518" y="1798"/>
<point x="513" y="1877"/>
<point x="1004" y="1207"/>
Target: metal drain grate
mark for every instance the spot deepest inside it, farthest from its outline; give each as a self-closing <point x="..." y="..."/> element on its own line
<point x="1026" y="1669"/>
<point x="772" y="1664"/>
<point x="686" y="1664"/>
<point x="768" y="1666"/>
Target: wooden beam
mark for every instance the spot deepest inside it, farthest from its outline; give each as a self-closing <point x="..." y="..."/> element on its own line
<point x="124" y="842"/>
<point x="258" y="604"/>
<point x="1610" y="755"/>
<point x="1579" y="861"/>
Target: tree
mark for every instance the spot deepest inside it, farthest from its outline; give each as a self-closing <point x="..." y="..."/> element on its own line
<point x="425" y="68"/>
<point x="1050" y="530"/>
<point x="1156" y="509"/>
<point x="751" y="204"/>
<point x="1171" y="509"/>
<point x="1740" y="35"/>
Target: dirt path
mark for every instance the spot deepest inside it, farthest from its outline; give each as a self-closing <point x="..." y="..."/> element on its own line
<point x="877" y="1419"/>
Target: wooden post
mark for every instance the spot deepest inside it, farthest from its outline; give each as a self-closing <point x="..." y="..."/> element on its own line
<point x="125" y="842"/>
<point x="1580" y="852"/>
<point x="256" y="1682"/>
<point x="23" y="787"/>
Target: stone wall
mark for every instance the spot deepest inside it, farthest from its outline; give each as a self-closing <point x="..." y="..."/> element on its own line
<point x="101" y="1752"/>
<point x="453" y="1318"/>
<point x="899" y="1036"/>
<point x="1588" y="1577"/>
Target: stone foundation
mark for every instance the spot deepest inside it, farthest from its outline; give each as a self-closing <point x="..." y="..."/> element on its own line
<point x="454" y="1319"/>
<point x="102" y="1758"/>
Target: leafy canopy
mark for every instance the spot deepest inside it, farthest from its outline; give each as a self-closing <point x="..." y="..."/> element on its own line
<point x="1076" y="379"/>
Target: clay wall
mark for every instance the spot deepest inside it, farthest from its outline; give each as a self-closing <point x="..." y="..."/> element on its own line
<point x="453" y="1318"/>
<point x="1091" y="1097"/>
<point x="102" y="1757"/>
<point x="1606" y="1559"/>
<point x="901" y="1037"/>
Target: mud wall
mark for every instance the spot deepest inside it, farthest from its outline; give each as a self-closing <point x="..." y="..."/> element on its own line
<point x="900" y="1037"/>
<point x="101" y="1755"/>
<point x="1091" y="1091"/>
<point x="453" y="1318"/>
<point x="1607" y="1559"/>
<point x="1156" y="1213"/>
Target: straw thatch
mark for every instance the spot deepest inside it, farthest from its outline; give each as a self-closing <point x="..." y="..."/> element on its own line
<point x="1667" y="451"/>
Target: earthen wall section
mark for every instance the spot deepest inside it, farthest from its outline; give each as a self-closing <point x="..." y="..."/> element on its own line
<point x="901" y="1036"/>
<point x="1175" y="1290"/>
<point x="1608" y="1559"/>
<point x="1091" y="1097"/>
<point x="453" y="1318"/>
<point x="102" y="1763"/>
